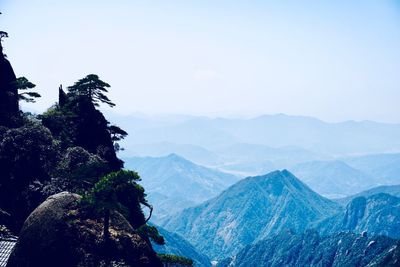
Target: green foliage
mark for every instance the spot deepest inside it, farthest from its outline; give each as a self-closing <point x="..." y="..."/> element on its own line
<point x="104" y="195"/>
<point x="151" y="232"/>
<point x="175" y="260"/>
<point x="81" y="168"/>
<point x="92" y="88"/>
<point x="24" y="84"/>
<point x="120" y="191"/>
<point x="3" y="35"/>
<point x="62" y="123"/>
<point x="27" y="154"/>
<point x="117" y="133"/>
<point x="77" y="122"/>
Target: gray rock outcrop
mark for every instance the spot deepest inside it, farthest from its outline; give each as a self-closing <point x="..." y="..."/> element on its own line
<point x="58" y="234"/>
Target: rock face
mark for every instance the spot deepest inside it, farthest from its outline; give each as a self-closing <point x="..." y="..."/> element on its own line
<point x="55" y="234"/>
<point x="378" y="214"/>
<point x="8" y="93"/>
<point x="83" y="125"/>
<point x="311" y="249"/>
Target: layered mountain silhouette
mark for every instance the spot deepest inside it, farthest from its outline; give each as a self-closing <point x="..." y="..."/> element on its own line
<point x="250" y="210"/>
<point x="344" y="138"/>
<point x="174" y="183"/>
<point x="196" y="154"/>
<point x="333" y="179"/>
<point x="254" y="159"/>
<point x="384" y="167"/>
<point x="311" y="249"/>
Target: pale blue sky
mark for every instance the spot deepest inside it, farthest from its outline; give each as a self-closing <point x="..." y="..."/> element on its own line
<point x="335" y="60"/>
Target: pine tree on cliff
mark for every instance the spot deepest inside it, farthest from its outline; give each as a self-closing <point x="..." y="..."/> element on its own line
<point x="77" y="122"/>
<point x="24" y="85"/>
<point x="119" y="191"/>
<point x="93" y="89"/>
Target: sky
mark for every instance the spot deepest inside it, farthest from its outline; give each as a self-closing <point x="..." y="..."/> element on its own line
<point x="334" y="60"/>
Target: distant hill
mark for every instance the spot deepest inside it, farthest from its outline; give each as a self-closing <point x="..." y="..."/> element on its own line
<point x="377" y="214"/>
<point x="197" y="154"/>
<point x="174" y="183"/>
<point x="311" y="249"/>
<point x="250" y="210"/>
<point x="241" y="158"/>
<point x="385" y="167"/>
<point x="393" y="190"/>
<point x="177" y="245"/>
<point x="333" y="179"/>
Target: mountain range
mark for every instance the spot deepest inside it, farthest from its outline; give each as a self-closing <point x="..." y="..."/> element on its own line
<point x="257" y="208"/>
<point x="343" y="138"/>
<point x="384" y="166"/>
<point x="250" y="210"/>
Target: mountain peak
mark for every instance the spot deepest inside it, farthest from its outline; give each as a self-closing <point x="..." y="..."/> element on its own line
<point x="272" y="203"/>
<point x="279" y="180"/>
<point x="175" y="156"/>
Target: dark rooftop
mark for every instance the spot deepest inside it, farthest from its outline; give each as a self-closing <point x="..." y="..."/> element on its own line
<point x="6" y="246"/>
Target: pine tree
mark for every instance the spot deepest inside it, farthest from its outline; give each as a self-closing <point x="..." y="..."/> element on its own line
<point x="92" y="88"/>
<point x="23" y="83"/>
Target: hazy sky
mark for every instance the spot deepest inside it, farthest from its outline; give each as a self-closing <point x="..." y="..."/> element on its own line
<point x="335" y="60"/>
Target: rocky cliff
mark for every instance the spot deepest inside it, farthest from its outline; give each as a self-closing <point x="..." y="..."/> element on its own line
<point x="57" y="234"/>
<point x="8" y="93"/>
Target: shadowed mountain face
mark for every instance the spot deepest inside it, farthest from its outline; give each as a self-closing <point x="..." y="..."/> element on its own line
<point x="333" y="179"/>
<point x="250" y="210"/>
<point x="377" y="214"/>
<point x="177" y="245"/>
<point x="311" y="249"/>
<point x="174" y="183"/>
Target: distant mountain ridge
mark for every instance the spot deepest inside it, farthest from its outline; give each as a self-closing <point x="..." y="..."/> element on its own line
<point x="250" y="210"/>
<point x="344" y="138"/>
<point x="393" y="190"/>
<point x="384" y="166"/>
<point x="333" y="179"/>
<point x="174" y="183"/>
<point x="254" y="159"/>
